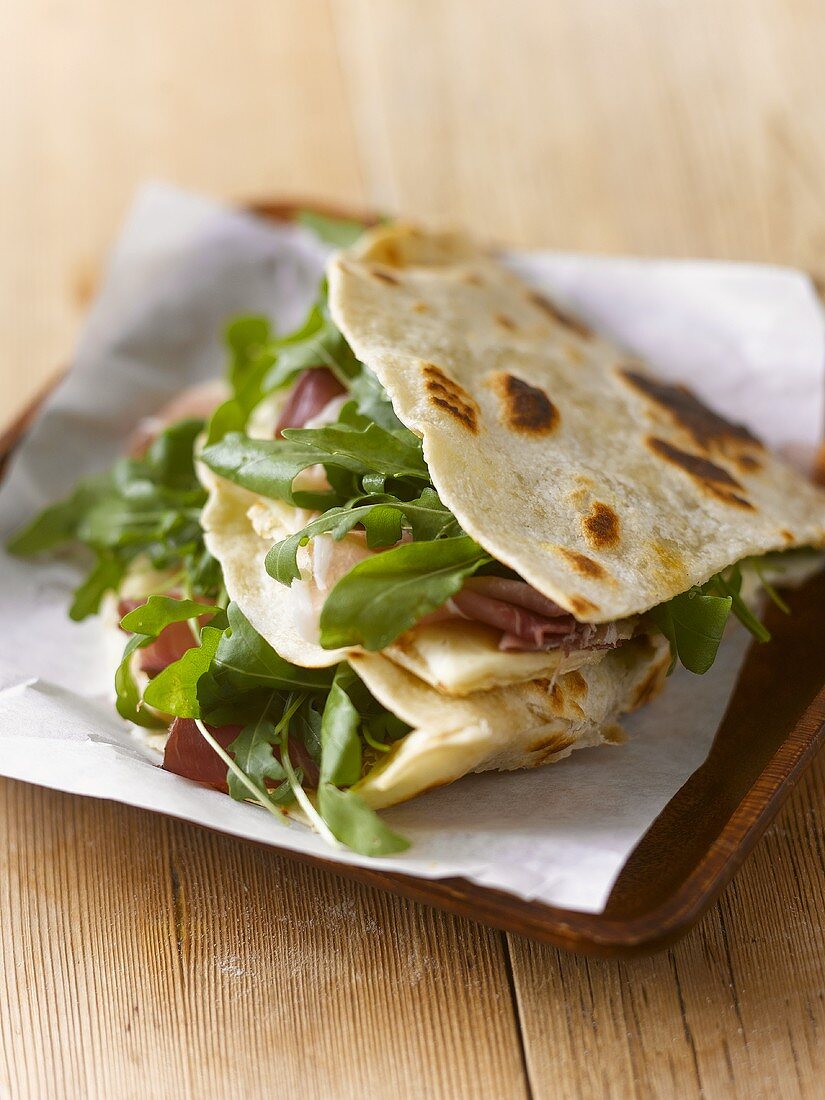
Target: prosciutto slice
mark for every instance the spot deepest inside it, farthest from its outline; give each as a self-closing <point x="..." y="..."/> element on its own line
<point x="314" y="390"/>
<point x="528" y="620"/>
<point x="190" y="755"/>
<point x="578" y="637"/>
<point x="516" y="592"/>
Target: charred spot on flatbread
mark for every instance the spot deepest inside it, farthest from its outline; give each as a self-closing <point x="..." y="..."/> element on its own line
<point x="748" y="463"/>
<point x="613" y="734"/>
<point x="421" y="307"/>
<point x="505" y="322"/>
<point x="580" y="563"/>
<point x="576" y="684"/>
<point x="706" y="427"/>
<point x="573" y="324"/>
<point x="551" y="743"/>
<point x="668" y="561"/>
<point x="525" y="408"/>
<point x="390" y="251"/>
<point x="384" y="276"/>
<point x="448" y="395"/>
<point x="717" y="480"/>
<point x="650" y="686"/>
<point x="582" y="606"/>
<point x="602" y="526"/>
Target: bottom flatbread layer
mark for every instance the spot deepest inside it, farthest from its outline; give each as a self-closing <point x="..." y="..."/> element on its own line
<point x="518" y="726"/>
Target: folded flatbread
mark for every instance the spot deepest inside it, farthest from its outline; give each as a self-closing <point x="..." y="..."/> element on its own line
<point x="607" y="490"/>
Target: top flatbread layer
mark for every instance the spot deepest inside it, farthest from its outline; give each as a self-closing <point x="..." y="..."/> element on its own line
<point x="607" y="489"/>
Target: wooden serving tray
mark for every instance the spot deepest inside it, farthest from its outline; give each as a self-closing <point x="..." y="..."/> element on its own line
<point x="773" y="727"/>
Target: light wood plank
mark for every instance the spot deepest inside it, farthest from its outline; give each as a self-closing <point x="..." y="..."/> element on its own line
<point x="238" y="100"/>
<point x="736" y="1009"/>
<point x="645" y="126"/>
<point x="137" y="953"/>
<point x="661" y="129"/>
<point x="127" y="971"/>
<point x="145" y="957"/>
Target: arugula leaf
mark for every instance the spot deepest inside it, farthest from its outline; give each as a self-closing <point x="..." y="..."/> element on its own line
<point x="145" y="623"/>
<point x="318" y="343"/>
<point x="252" y="750"/>
<point x="265" y="466"/>
<point x="261" y="364"/>
<point x="341" y="232"/>
<point x="246" y="674"/>
<point x="770" y="591"/>
<point x="233" y="414"/>
<point x="170" y="459"/>
<point x="693" y="623"/>
<point x="251" y="357"/>
<point x="161" y="611"/>
<point x="58" y="523"/>
<point x="385" y="595"/>
<point x="373" y="403"/>
<point x="127" y="696"/>
<point x="269" y="467"/>
<point x="729" y="583"/>
<point x="250" y="662"/>
<point x="104" y="577"/>
<point x="427" y="517"/>
<point x="175" y="689"/>
<point x="340" y="743"/>
<point x="352" y="822"/>
<point x="248" y="339"/>
<point x="368" y="449"/>
<point x="143" y="508"/>
<point x="308" y="722"/>
<point x="383" y="526"/>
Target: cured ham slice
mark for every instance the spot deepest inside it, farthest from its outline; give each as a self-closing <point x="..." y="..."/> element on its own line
<point x="529" y="621"/>
<point x="516" y="592"/>
<point x="190" y="755"/>
<point x="312" y="392"/>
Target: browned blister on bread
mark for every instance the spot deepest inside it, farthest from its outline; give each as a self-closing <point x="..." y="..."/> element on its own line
<point x="606" y="488"/>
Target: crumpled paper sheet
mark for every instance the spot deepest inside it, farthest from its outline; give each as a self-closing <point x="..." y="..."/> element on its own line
<point x="750" y="339"/>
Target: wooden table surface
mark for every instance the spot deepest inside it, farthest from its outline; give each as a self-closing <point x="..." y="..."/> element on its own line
<point x="143" y="958"/>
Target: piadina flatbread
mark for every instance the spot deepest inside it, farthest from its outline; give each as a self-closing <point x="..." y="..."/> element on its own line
<point x="606" y="489"/>
<point x="534" y="708"/>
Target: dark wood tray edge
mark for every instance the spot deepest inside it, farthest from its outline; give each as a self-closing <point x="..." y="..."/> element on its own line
<point x="596" y="934"/>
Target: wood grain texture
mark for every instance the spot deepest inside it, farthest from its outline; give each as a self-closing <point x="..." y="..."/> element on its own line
<point x="143" y="957"/>
<point x="736" y="1009"/>
<point x="646" y="126"/>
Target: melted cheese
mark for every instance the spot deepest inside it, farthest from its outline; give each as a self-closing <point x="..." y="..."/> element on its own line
<point x="460" y="657"/>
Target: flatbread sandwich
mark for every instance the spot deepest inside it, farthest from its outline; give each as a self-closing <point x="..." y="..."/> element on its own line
<point x="443" y="528"/>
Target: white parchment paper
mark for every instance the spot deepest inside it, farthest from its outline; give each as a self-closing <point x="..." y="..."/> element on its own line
<point x="749" y="339"/>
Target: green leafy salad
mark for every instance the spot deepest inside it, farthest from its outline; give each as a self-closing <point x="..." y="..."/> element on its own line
<point x="280" y="735"/>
